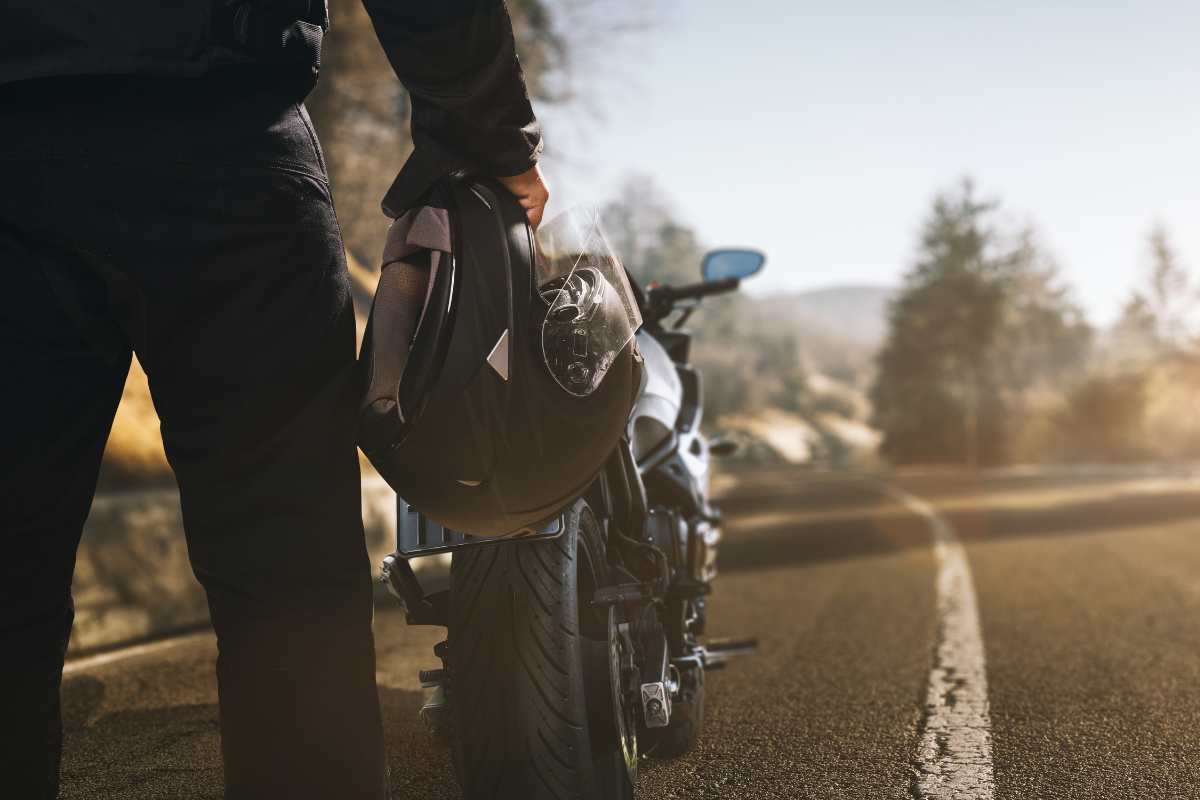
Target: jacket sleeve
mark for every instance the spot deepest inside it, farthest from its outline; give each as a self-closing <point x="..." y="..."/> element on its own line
<point x="458" y="60"/>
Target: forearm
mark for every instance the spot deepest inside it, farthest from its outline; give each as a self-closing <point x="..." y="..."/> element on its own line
<point x="457" y="58"/>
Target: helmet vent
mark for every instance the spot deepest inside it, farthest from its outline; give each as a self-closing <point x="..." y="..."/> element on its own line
<point x="498" y="358"/>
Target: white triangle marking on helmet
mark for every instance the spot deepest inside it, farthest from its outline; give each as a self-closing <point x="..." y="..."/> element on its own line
<point x="498" y="358"/>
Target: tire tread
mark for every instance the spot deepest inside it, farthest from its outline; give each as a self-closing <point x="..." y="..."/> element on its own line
<point x="518" y="698"/>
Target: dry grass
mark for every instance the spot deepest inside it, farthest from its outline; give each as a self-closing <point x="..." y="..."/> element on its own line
<point x="362" y="288"/>
<point x="1172" y="415"/>
<point x="1141" y="412"/>
<point x="134" y="455"/>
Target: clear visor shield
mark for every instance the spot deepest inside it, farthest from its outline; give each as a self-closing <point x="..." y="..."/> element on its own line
<point x="591" y="313"/>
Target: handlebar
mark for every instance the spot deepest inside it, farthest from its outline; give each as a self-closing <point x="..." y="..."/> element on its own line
<point x="669" y="294"/>
<point x="660" y="301"/>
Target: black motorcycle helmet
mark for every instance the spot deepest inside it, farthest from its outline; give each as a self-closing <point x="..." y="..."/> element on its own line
<point x="500" y="367"/>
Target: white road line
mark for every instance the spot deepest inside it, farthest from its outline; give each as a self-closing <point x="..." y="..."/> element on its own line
<point x="102" y="659"/>
<point x="954" y="757"/>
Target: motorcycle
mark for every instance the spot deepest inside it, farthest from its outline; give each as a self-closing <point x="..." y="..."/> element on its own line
<point x="577" y="649"/>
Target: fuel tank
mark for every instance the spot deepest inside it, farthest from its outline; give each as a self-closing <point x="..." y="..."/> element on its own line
<point x="657" y="410"/>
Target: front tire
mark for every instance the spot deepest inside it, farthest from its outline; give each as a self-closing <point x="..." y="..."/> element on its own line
<point x="528" y="670"/>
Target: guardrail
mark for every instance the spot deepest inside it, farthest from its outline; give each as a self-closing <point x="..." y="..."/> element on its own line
<point x="132" y="576"/>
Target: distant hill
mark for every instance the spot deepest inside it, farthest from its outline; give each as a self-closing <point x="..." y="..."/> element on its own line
<point x="839" y="329"/>
<point x="857" y="314"/>
<point x="824" y="416"/>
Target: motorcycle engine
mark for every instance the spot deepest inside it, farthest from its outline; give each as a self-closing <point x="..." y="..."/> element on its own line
<point x="690" y="545"/>
<point x="702" y="561"/>
<point x="667" y="531"/>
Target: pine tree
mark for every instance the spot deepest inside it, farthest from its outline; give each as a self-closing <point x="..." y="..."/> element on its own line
<point x="979" y="320"/>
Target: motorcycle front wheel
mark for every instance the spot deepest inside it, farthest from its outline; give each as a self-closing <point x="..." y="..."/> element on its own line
<point x="529" y="664"/>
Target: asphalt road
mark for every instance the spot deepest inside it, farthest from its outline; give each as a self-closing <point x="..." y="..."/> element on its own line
<point x="1088" y="615"/>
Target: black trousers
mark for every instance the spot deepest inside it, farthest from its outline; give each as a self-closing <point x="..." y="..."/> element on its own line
<point x="189" y="222"/>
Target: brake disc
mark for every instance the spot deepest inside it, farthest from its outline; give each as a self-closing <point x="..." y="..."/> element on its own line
<point x="621" y="670"/>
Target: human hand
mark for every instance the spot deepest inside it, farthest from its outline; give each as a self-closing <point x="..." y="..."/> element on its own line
<point x="531" y="192"/>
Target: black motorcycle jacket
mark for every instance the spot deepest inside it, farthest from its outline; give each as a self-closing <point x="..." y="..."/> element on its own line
<point x="457" y="58"/>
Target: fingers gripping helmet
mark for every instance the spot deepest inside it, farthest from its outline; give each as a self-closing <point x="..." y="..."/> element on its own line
<point x="500" y="368"/>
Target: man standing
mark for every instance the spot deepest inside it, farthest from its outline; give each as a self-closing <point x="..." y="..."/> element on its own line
<point x="162" y="192"/>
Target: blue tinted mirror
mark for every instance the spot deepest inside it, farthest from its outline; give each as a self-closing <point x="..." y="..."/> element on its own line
<point x="721" y="265"/>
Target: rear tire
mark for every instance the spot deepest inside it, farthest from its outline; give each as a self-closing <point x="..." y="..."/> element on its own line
<point x="528" y="670"/>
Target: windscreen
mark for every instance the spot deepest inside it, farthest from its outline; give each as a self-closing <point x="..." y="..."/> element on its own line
<point x="591" y="312"/>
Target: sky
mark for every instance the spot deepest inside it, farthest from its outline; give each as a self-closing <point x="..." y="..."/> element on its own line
<point x="820" y="132"/>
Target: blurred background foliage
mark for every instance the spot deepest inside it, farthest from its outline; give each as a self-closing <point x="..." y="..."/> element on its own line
<point x="361" y="111"/>
<point x="982" y="356"/>
<point x="990" y="360"/>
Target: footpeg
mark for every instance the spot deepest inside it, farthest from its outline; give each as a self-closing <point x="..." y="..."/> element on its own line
<point x="716" y="654"/>
<point x="622" y="593"/>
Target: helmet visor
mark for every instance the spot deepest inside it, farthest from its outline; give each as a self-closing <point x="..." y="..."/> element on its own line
<point x="591" y="313"/>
